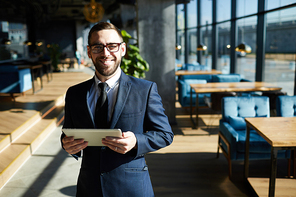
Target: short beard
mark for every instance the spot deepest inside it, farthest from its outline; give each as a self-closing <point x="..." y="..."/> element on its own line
<point x="102" y="71"/>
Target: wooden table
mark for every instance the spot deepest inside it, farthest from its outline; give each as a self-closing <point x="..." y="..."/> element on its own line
<point x="226" y="87"/>
<point x="47" y="69"/>
<point x="197" y="72"/>
<point x="280" y="133"/>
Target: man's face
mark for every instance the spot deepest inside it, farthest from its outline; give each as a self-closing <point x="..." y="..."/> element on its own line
<point x="106" y="62"/>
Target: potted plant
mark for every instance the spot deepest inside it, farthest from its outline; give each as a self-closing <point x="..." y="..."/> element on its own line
<point x="133" y="64"/>
<point x="55" y="53"/>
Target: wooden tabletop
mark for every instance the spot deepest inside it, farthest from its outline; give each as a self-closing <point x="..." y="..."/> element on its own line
<point x="33" y="66"/>
<point x="197" y="72"/>
<point x="277" y="131"/>
<point x="234" y="87"/>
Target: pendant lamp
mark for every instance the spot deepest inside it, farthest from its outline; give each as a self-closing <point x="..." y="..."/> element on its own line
<point x="93" y="12"/>
<point x="243" y="47"/>
<point x="202" y="47"/>
<point x="6" y="41"/>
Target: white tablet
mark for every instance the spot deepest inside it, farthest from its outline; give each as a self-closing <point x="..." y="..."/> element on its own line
<point x="93" y="136"/>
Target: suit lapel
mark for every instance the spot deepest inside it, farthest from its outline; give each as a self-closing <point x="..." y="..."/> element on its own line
<point x="84" y="95"/>
<point x="123" y="92"/>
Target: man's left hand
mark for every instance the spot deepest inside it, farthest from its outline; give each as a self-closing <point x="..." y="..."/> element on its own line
<point x="121" y="145"/>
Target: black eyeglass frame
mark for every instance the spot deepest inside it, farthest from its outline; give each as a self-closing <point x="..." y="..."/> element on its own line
<point x="118" y="44"/>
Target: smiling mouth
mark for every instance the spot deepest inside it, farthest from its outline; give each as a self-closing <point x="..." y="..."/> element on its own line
<point x="106" y="61"/>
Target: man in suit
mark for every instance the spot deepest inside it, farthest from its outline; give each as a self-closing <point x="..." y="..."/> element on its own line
<point x="134" y="106"/>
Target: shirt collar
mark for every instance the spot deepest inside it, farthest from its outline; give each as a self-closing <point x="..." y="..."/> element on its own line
<point x="112" y="81"/>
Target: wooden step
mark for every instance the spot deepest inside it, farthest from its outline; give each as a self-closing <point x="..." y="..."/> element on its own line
<point x="35" y="135"/>
<point x="22" y="146"/>
<point x="26" y="122"/>
<point x="4" y="141"/>
<point x="7" y="137"/>
<point x="12" y="158"/>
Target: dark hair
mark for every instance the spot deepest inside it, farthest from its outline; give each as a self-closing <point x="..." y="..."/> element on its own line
<point x="103" y="26"/>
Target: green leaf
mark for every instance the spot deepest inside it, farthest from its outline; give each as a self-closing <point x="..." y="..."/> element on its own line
<point x="125" y="34"/>
<point x="134" y="48"/>
<point x="133" y="64"/>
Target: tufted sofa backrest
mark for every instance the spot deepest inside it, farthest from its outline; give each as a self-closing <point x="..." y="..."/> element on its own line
<point x="227" y="78"/>
<point x="257" y="106"/>
<point x="286" y="106"/>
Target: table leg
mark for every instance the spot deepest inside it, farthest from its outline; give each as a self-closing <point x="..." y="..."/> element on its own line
<point x="191" y="107"/>
<point x="32" y="78"/>
<point x="196" y="110"/>
<point x="195" y="123"/>
<point x="40" y="75"/>
<point x="273" y="170"/>
<point x="246" y="162"/>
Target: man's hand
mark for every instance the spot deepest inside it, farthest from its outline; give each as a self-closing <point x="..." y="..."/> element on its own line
<point x="121" y="145"/>
<point x="72" y="146"/>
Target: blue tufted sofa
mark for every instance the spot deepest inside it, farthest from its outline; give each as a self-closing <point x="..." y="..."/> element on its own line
<point x="13" y="80"/>
<point x="232" y="129"/>
<point x="185" y="81"/>
<point x="286" y="106"/>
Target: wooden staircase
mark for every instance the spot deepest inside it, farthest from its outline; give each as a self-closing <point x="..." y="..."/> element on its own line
<point x="17" y="147"/>
<point x="26" y="122"/>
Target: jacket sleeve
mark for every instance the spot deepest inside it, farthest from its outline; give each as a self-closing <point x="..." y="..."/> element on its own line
<point x="158" y="132"/>
<point x="68" y="122"/>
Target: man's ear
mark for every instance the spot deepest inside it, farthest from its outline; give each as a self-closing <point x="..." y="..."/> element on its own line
<point x="123" y="49"/>
<point x="88" y="52"/>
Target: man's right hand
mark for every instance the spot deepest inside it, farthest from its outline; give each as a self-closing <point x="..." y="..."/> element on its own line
<point x="72" y="146"/>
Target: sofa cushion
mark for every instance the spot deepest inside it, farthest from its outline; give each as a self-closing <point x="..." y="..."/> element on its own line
<point x="226" y="78"/>
<point x="193" y="81"/>
<point x="208" y="78"/>
<point x="257" y="143"/>
<point x="238" y="123"/>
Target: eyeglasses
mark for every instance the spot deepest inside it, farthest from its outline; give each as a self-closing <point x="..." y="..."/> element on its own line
<point x="111" y="47"/>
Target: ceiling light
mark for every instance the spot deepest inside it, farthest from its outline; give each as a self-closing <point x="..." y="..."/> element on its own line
<point x="6" y="41"/>
<point x="243" y="47"/>
<point x="202" y="47"/>
<point x="93" y="12"/>
<point x="178" y="47"/>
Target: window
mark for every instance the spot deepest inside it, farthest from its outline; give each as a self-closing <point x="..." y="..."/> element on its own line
<point x="206" y="39"/>
<point x="280" y="49"/>
<point x="271" y="4"/>
<point x="246" y="7"/>
<point x="180" y="54"/>
<point x="180" y="16"/>
<point x="13" y="36"/>
<point x="192" y="14"/>
<point x="280" y="46"/>
<point x="223" y="63"/>
<point x="192" y="45"/>
<point x="206" y="12"/>
<point x="246" y="62"/>
<point x="223" y="10"/>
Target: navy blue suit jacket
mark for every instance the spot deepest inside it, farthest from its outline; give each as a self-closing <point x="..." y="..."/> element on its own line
<point x="138" y="109"/>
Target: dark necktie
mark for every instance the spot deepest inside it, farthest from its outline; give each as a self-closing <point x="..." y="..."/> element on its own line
<point x="101" y="113"/>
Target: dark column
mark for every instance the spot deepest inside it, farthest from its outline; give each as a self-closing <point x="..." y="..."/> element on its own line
<point x="156" y="30"/>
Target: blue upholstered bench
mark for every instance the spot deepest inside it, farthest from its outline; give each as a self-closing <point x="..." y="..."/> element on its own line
<point x="184" y="89"/>
<point x="185" y="81"/>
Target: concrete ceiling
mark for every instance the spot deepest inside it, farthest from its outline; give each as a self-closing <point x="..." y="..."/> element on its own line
<point x="45" y="10"/>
